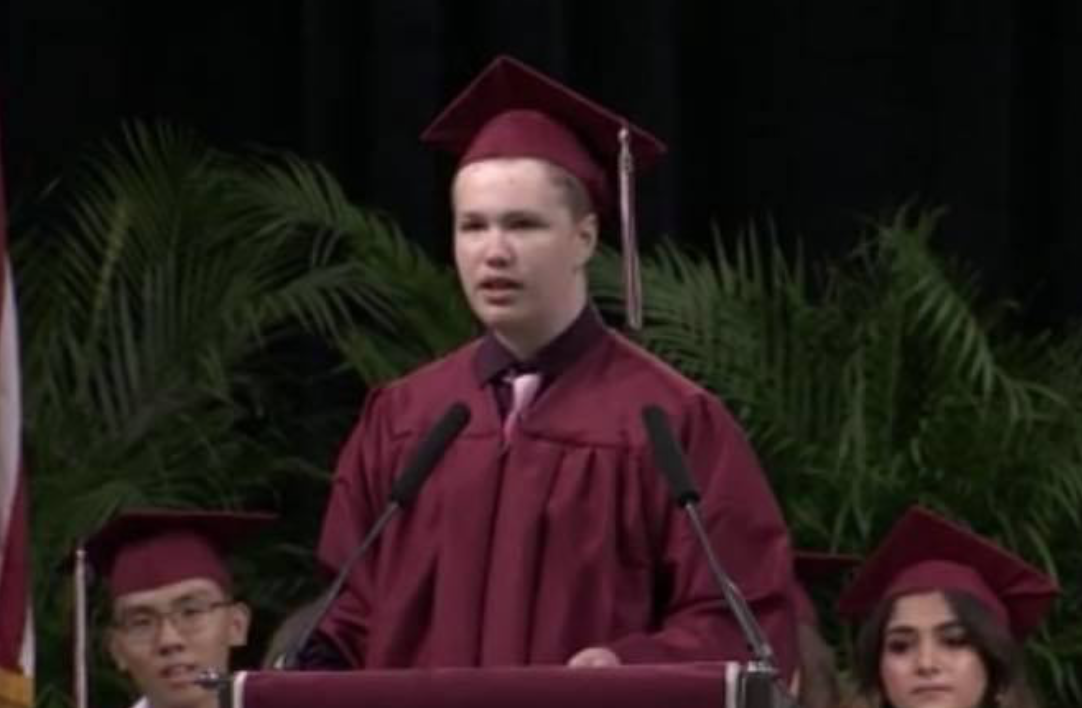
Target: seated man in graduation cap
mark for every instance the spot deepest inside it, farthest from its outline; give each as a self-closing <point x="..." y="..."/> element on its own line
<point x="174" y="614"/>
<point x="545" y="534"/>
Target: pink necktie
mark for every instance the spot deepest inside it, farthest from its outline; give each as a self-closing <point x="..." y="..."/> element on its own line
<point x="523" y="389"/>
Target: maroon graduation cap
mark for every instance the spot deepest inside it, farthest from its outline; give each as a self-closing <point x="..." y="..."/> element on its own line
<point x="143" y="549"/>
<point x="926" y="552"/>
<point x="512" y="110"/>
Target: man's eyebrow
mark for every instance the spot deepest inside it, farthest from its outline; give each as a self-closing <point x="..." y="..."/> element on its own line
<point x="185" y="598"/>
<point x="201" y="595"/>
<point x="135" y="609"/>
<point x="521" y="214"/>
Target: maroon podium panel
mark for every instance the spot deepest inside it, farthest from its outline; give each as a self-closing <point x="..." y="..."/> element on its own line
<point x="669" y="686"/>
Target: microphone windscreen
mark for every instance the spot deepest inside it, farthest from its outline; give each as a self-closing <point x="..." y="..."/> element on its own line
<point x="429" y="452"/>
<point x="668" y="456"/>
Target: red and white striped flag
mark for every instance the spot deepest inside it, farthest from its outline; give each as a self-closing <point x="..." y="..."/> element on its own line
<point x="16" y="620"/>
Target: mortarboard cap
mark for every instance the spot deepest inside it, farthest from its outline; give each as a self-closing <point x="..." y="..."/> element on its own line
<point x="926" y="552"/>
<point x="512" y="110"/>
<point x="144" y="549"/>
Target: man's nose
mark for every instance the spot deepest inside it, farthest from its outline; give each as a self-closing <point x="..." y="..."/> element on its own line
<point x="169" y="637"/>
<point x="498" y="246"/>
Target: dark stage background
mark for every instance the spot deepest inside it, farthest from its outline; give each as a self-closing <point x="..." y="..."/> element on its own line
<point x="813" y="113"/>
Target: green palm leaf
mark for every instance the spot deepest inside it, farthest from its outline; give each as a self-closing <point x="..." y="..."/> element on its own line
<point x="158" y="280"/>
<point x="882" y="380"/>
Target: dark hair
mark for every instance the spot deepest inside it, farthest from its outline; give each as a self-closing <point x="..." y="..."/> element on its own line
<point x="818" y="673"/>
<point x="999" y="652"/>
<point x="287" y="632"/>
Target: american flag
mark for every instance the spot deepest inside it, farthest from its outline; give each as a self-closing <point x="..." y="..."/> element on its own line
<point x="16" y="630"/>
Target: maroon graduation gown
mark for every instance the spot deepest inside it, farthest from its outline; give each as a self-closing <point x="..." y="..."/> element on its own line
<point x="562" y="538"/>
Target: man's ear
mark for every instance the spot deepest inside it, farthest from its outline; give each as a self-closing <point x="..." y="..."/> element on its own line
<point x="588" y="235"/>
<point x="240" y="617"/>
<point x="112" y="645"/>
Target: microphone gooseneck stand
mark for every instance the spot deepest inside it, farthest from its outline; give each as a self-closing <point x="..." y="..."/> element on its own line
<point x="759" y="684"/>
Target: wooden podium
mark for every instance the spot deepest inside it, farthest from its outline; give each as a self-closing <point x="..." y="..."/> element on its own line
<point x="705" y="685"/>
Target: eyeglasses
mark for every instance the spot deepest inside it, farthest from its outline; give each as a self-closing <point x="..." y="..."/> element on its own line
<point x="188" y="617"/>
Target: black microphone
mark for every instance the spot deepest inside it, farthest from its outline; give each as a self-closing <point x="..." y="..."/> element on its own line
<point x="428" y="453"/>
<point x="758" y="684"/>
<point x="417" y="469"/>
<point x="669" y="457"/>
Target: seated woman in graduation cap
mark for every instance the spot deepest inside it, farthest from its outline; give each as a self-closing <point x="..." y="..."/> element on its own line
<point x="944" y="614"/>
<point x="545" y="534"/>
<point x="174" y="613"/>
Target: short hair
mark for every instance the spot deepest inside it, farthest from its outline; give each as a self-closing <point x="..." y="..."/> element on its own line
<point x="574" y="191"/>
<point x="998" y="650"/>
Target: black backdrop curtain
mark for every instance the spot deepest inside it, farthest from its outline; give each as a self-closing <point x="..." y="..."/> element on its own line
<point x="814" y="114"/>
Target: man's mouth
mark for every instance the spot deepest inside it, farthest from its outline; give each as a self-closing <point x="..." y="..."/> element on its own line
<point x="179" y="673"/>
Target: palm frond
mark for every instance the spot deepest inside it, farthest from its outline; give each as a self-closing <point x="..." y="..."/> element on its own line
<point x="160" y="276"/>
<point x="879" y="381"/>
